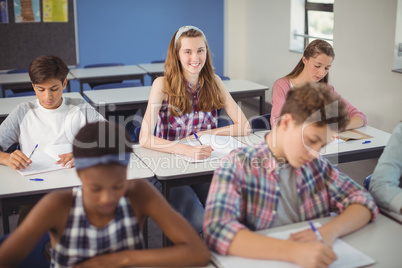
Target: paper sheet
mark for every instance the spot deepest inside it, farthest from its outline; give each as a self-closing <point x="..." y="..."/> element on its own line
<point x="353" y="135"/>
<point x="44" y="160"/>
<point x="348" y="257"/>
<point x="222" y="146"/>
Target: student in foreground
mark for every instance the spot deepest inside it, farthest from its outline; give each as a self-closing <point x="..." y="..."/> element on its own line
<point x="49" y="120"/>
<point x="313" y="67"/>
<point x="386" y="181"/>
<point x="284" y="180"/>
<point x="99" y="224"/>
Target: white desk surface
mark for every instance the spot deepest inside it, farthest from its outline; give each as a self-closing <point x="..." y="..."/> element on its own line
<point x="13" y="184"/>
<point x="241" y="86"/>
<point x="8" y="104"/>
<point x="127" y="95"/>
<point x="82" y="73"/>
<point x="381" y="240"/>
<point x="131" y="95"/>
<point x="15" y="78"/>
<point x="380" y="139"/>
<point x="168" y="166"/>
<point x="152" y="68"/>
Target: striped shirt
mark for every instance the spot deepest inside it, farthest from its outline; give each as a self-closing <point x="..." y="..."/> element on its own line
<point x="172" y="128"/>
<point x="81" y="240"/>
<point x="245" y="192"/>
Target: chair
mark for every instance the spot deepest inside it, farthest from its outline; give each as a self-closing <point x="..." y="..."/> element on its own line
<point x="37" y="258"/>
<point x="158" y="61"/>
<point x="261" y="123"/>
<point x="92" y="85"/>
<point x="117" y="85"/>
<point x="366" y="182"/>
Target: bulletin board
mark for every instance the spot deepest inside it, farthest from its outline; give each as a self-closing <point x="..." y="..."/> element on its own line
<point x="30" y="28"/>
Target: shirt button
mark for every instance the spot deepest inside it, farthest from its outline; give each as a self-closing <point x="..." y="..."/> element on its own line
<point x="274" y="212"/>
<point x="277" y="188"/>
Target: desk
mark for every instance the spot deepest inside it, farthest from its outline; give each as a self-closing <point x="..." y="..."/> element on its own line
<point x="119" y="99"/>
<point x="17" y="81"/>
<point x="380" y="240"/>
<point x="107" y="74"/>
<point x="240" y="89"/>
<point x="354" y="150"/>
<point x="137" y="97"/>
<point x="8" y="104"/>
<point x="153" y="69"/>
<point x="19" y="190"/>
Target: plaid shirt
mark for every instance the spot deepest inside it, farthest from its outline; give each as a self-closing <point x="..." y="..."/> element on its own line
<point x="244" y="194"/>
<point x="172" y="128"/>
<point x="81" y="240"/>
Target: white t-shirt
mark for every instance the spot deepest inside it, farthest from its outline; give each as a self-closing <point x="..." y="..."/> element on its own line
<point x="31" y="124"/>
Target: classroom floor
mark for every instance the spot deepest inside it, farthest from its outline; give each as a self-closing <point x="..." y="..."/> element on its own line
<point x="357" y="170"/>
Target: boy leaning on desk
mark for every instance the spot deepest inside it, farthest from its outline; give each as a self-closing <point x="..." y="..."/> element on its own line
<point x="49" y="120"/>
<point x="284" y="180"/>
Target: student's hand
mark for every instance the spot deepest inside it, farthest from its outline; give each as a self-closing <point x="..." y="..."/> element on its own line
<point x="66" y="160"/>
<point x="18" y="160"/>
<point x="313" y="255"/>
<point x="309" y="236"/>
<point x="200" y="151"/>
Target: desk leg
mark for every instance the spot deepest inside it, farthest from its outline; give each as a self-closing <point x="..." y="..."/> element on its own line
<point x="81" y="88"/>
<point x="4" y="214"/>
<point x="262" y="103"/>
<point x="166" y="194"/>
<point x="68" y="86"/>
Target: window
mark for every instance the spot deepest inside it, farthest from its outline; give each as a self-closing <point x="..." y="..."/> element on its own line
<point x="310" y="20"/>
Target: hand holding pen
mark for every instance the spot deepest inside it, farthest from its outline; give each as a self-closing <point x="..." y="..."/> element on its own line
<point x="202" y="151"/>
<point x="18" y="160"/>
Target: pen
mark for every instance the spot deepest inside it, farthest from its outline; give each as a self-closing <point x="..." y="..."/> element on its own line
<point x="316" y="232"/>
<point x="364" y="142"/>
<point x="33" y="151"/>
<point x="196" y="137"/>
<point x="36" y="179"/>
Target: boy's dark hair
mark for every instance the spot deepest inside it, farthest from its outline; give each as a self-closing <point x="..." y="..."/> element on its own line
<point x="101" y="138"/>
<point x="46" y="67"/>
<point x="315" y="103"/>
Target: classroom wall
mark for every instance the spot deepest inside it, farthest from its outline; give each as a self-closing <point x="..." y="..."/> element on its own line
<point x="139" y="31"/>
<point x="364" y="35"/>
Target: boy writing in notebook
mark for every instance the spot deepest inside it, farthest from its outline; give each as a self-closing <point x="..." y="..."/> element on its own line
<point x="100" y="223"/>
<point x="284" y="180"/>
<point x="49" y="120"/>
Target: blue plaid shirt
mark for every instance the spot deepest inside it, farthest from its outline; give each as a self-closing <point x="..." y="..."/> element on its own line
<point x="81" y="240"/>
<point x="244" y="194"/>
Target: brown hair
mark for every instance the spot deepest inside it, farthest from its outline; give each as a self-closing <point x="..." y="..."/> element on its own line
<point x="180" y="100"/>
<point x="47" y="66"/>
<point x="101" y="138"/>
<point x="313" y="49"/>
<point x="315" y="103"/>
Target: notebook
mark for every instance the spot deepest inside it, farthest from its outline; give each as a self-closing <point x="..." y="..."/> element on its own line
<point x="348" y="256"/>
<point x="353" y="135"/>
<point x="44" y="159"/>
<point x="222" y="146"/>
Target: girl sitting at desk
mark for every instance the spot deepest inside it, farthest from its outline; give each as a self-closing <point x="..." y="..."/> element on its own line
<point x="99" y="224"/>
<point x="313" y="67"/>
<point x="185" y="101"/>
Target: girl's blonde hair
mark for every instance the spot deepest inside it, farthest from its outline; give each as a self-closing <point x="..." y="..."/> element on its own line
<point x="180" y="99"/>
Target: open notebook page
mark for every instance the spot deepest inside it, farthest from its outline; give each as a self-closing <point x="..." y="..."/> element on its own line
<point x="44" y="159"/>
<point x="222" y="146"/>
<point x="348" y="256"/>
